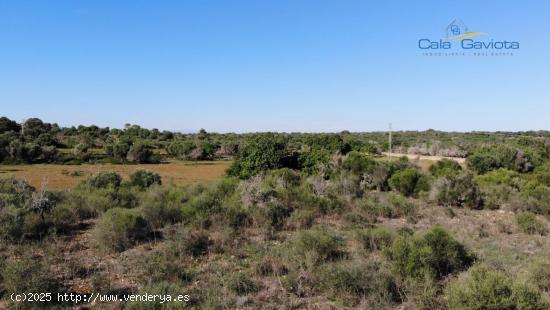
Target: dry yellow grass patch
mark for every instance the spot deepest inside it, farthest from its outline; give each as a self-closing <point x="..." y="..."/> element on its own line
<point x="69" y="176"/>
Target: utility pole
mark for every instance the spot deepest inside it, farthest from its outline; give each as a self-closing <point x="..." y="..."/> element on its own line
<point x="389" y="142"/>
<point x="23" y="126"/>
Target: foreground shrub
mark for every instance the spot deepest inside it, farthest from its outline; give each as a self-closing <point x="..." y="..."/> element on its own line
<point x="352" y="281"/>
<point x="143" y="179"/>
<point x="481" y="288"/>
<point x="435" y="254"/>
<point x="528" y="223"/>
<point x="28" y="275"/>
<point x="121" y="228"/>
<point x="242" y="283"/>
<point x="540" y="275"/>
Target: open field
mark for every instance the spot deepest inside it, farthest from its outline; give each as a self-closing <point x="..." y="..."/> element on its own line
<point x="69" y="176"/>
<point x="423" y="161"/>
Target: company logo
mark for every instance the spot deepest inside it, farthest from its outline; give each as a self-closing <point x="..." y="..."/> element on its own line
<point x="457" y="31"/>
<point x="459" y="37"/>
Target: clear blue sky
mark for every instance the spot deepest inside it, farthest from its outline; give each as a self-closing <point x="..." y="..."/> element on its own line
<point x="271" y="65"/>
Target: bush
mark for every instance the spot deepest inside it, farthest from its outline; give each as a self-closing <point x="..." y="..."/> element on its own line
<point x="104" y="180"/>
<point x="481" y="288"/>
<point x="404" y="181"/>
<point x="121" y="228"/>
<point x="263" y="152"/>
<point x="445" y="167"/>
<point x="376" y="239"/>
<point x="243" y="283"/>
<point x="140" y="152"/>
<point x="460" y="191"/>
<point x="316" y="246"/>
<point x="189" y="242"/>
<point x="435" y="254"/>
<point x="28" y="275"/>
<point x="528" y="223"/>
<point x="540" y="275"/>
<point x="352" y="281"/>
<point x="144" y="179"/>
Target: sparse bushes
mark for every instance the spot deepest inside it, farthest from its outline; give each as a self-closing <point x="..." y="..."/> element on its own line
<point x="121" y="228"/>
<point x="482" y="288"/>
<point x="528" y="223"/>
<point x="143" y="179"/>
<point x="243" y="283"/>
<point x="435" y="254"/>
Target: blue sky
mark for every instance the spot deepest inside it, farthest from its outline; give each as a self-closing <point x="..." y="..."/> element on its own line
<point x="271" y="65"/>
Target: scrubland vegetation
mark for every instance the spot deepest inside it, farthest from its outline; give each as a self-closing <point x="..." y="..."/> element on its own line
<point x="300" y="221"/>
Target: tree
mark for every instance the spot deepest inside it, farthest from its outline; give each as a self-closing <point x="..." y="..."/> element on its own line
<point x="140" y="152"/>
<point x="7" y="124"/>
<point x="263" y="152"/>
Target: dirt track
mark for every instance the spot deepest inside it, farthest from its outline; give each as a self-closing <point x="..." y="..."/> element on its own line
<point x="459" y="160"/>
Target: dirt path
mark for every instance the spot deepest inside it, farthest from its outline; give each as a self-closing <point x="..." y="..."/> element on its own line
<point x="459" y="160"/>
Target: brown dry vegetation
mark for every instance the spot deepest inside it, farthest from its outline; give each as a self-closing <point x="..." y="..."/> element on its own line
<point x="69" y="176"/>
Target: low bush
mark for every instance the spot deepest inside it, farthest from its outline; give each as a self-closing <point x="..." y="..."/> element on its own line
<point x="460" y="191"/>
<point x="528" y="223"/>
<point x="103" y="180"/>
<point x="482" y="288"/>
<point x="143" y="179"/>
<point x="187" y="241"/>
<point x="243" y="283"/>
<point x="539" y="275"/>
<point x="353" y="281"/>
<point x="435" y="254"/>
<point x="121" y="228"/>
<point x="315" y="246"/>
<point x="28" y="275"/>
<point x="405" y="181"/>
<point x="376" y="239"/>
<point x="445" y="167"/>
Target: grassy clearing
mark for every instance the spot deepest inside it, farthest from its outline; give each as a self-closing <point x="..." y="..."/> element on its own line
<point x="69" y="176"/>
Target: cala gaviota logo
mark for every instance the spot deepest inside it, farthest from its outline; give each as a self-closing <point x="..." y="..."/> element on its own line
<point x="458" y="35"/>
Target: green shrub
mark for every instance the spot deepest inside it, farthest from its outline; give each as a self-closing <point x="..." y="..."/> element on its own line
<point x="143" y="179"/>
<point x="482" y="288"/>
<point x="141" y="152"/>
<point x="460" y="191"/>
<point x="242" y="283"/>
<point x="376" y="239"/>
<point x="539" y="275"/>
<point x="28" y="275"/>
<point x="445" y="167"/>
<point x="316" y="246"/>
<point x="405" y="181"/>
<point x="359" y="163"/>
<point x="104" y="180"/>
<point x="528" y="223"/>
<point x="435" y="254"/>
<point x="121" y="228"/>
<point x="187" y="241"/>
<point x="499" y="177"/>
<point x="352" y="281"/>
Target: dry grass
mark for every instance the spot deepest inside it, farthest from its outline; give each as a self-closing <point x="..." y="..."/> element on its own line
<point x="69" y="176"/>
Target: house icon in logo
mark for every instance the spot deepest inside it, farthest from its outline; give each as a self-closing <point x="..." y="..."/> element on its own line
<point x="456" y="28"/>
<point x="457" y="31"/>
